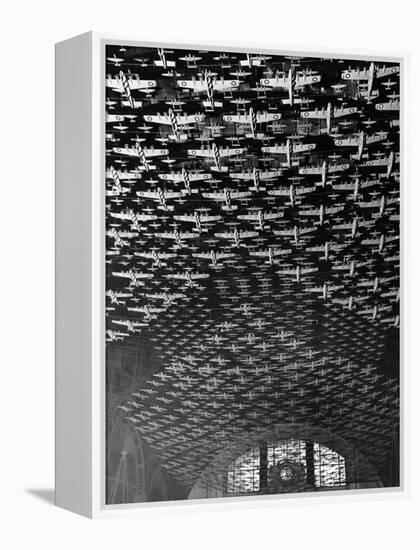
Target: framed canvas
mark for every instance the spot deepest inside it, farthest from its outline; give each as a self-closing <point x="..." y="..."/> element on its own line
<point x="228" y="274"/>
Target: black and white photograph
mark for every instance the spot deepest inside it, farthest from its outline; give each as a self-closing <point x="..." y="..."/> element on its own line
<point x="252" y="273"/>
<point x="210" y="304"/>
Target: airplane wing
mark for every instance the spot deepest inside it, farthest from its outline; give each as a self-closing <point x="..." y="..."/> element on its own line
<point x="311" y="170"/>
<point x="137" y="84"/>
<point x="275" y="149"/>
<point x="220" y="85"/>
<point x="130" y="151"/>
<point x="196" y="85"/>
<point x="176" y="276"/>
<point x="155" y="152"/>
<point x="216" y="195"/>
<point x="173" y="194"/>
<point x="120" y="216"/>
<point x="202" y="255"/>
<point x="240" y="194"/>
<point x="201" y="85"/>
<point x="125" y="175"/>
<point x="199" y="275"/>
<point x="245" y="234"/>
<point x="259" y="253"/>
<point x="121" y="274"/>
<point x="375" y="138"/>
<point x="316" y="113"/>
<point x="352" y="141"/>
<point x="225" y="235"/>
<point x="248" y="216"/>
<point x="303" y="190"/>
<point x="376" y="162"/>
<point x="274" y="252"/>
<point x="338" y="167"/>
<point x="309" y="212"/>
<point x="205" y="153"/>
<point x="146" y="217"/>
<point x="278" y="82"/>
<point x="344" y="111"/>
<point x="231" y="152"/>
<point x="319" y="248"/>
<point x="144" y="254"/>
<point x="246" y="119"/>
<point x="371" y="241"/>
<point x="333" y="209"/>
<point x="209" y="218"/>
<point x="387" y="71"/>
<point x="172" y="235"/>
<point x="272" y="215"/>
<point x="307" y="79"/>
<point x="183" y="120"/>
<point x="158" y="119"/>
<point x="166" y="255"/>
<point x="134" y="84"/>
<point x="264" y="176"/>
<point x="282" y="192"/>
<point x="356" y="74"/>
<point x="223" y="255"/>
<point x="179" y="177"/>
<point x="239" y="119"/>
<point x="133" y="152"/>
<point x="267" y="117"/>
<point x="184" y="218"/>
<point x="148" y="194"/>
<point x="302" y="147"/>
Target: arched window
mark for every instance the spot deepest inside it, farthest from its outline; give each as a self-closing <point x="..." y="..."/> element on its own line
<point x="288" y="465"/>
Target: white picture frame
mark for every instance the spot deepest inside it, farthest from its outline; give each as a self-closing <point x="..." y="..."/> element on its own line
<point x="80" y="280"/>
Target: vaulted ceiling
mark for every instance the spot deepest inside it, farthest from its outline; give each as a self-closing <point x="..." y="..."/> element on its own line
<point x="252" y="249"/>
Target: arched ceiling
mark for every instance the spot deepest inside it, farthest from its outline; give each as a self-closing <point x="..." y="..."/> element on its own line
<point x="252" y="249"/>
